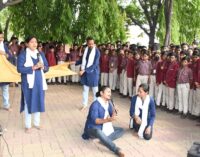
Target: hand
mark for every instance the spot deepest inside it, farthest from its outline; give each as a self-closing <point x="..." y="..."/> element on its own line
<point x="81" y="72"/>
<point x="148" y="130"/>
<point x="110" y="119"/>
<point x="72" y="62"/>
<point x="35" y="67"/>
<point x="40" y="65"/>
<point x="3" y="53"/>
<point x="138" y="120"/>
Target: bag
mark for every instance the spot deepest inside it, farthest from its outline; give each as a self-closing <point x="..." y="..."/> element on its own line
<point x="194" y="150"/>
<point x="131" y="123"/>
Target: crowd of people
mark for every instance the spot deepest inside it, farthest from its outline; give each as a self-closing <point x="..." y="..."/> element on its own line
<point x="166" y="77"/>
<point x="173" y="72"/>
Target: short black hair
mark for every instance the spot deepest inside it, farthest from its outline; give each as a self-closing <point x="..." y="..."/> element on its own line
<point x="101" y="89"/>
<point x="145" y="87"/>
<point x="28" y="39"/>
<point x="51" y="47"/>
<point x="185" y="58"/>
<point x="196" y="53"/>
<point x="89" y="38"/>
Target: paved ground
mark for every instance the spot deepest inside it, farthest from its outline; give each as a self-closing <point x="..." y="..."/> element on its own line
<point x="63" y="125"/>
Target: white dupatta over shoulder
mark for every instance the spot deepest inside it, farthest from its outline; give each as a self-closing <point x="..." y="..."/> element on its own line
<point x="29" y="63"/>
<point x="107" y="127"/>
<point x="144" y="107"/>
<point x="90" y="60"/>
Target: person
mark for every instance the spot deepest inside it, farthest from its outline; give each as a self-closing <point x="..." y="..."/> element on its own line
<point x="130" y="74"/>
<point x="143" y="112"/>
<point x="32" y="64"/>
<point x="113" y="64"/>
<point x="184" y="80"/>
<point x="74" y="56"/>
<point x="160" y="74"/>
<point x="194" y="107"/>
<point x="51" y="59"/>
<point x="99" y="121"/>
<point x="104" y="67"/>
<point x="61" y="56"/>
<point x="14" y="49"/>
<point x="144" y="68"/>
<point x="90" y="71"/>
<point x="4" y="86"/>
<point x="170" y="81"/>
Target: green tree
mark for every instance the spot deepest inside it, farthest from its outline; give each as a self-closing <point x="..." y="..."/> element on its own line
<point x="69" y="20"/>
<point x="185" y="24"/>
<point x="145" y="14"/>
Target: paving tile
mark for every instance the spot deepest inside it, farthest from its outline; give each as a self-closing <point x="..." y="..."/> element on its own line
<point x="63" y="124"/>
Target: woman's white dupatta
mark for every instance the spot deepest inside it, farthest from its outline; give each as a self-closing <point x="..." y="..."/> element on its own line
<point x="90" y="60"/>
<point x="29" y="63"/>
<point x="107" y="127"/>
<point x="144" y="107"/>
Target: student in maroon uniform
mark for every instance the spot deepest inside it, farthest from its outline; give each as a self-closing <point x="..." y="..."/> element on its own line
<point x="130" y="73"/>
<point x="192" y="102"/>
<point x="197" y="92"/>
<point x="184" y="80"/>
<point x="144" y="68"/>
<point x="160" y="73"/>
<point x="113" y="64"/>
<point x="170" y="81"/>
<point x="51" y="59"/>
<point x="136" y="59"/>
<point x="74" y="57"/>
<point x="123" y="76"/>
<point x="104" y="67"/>
<point x="153" y="88"/>
<point x="61" y="56"/>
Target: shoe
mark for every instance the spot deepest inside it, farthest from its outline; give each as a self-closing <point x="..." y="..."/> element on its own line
<point x="83" y="108"/>
<point x="183" y="116"/>
<point x="7" y="109"/>
<point x="37" y="127"/>
<point x="28" y="130"/>
<point x="175" y="111"/>
<point x="179" y="113"/>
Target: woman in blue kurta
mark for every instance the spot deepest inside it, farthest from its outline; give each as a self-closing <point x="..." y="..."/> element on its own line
<point x="32" y="64"/>
<point x="99" y="121"/>
<point x="143" y="112"/>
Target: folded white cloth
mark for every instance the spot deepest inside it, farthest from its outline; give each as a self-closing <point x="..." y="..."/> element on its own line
<point x="29" y="63"/>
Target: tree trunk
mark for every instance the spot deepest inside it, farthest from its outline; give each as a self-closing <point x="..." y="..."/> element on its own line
<point x="168" y="15"/>
<point x="152" y="35"/>
<point x="6" y="28"/>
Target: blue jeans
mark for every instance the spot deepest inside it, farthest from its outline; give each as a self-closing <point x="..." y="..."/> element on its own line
<point x="5" y="94"/>
<point x="86" y="93"/>
<point x="107" y="140"/>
